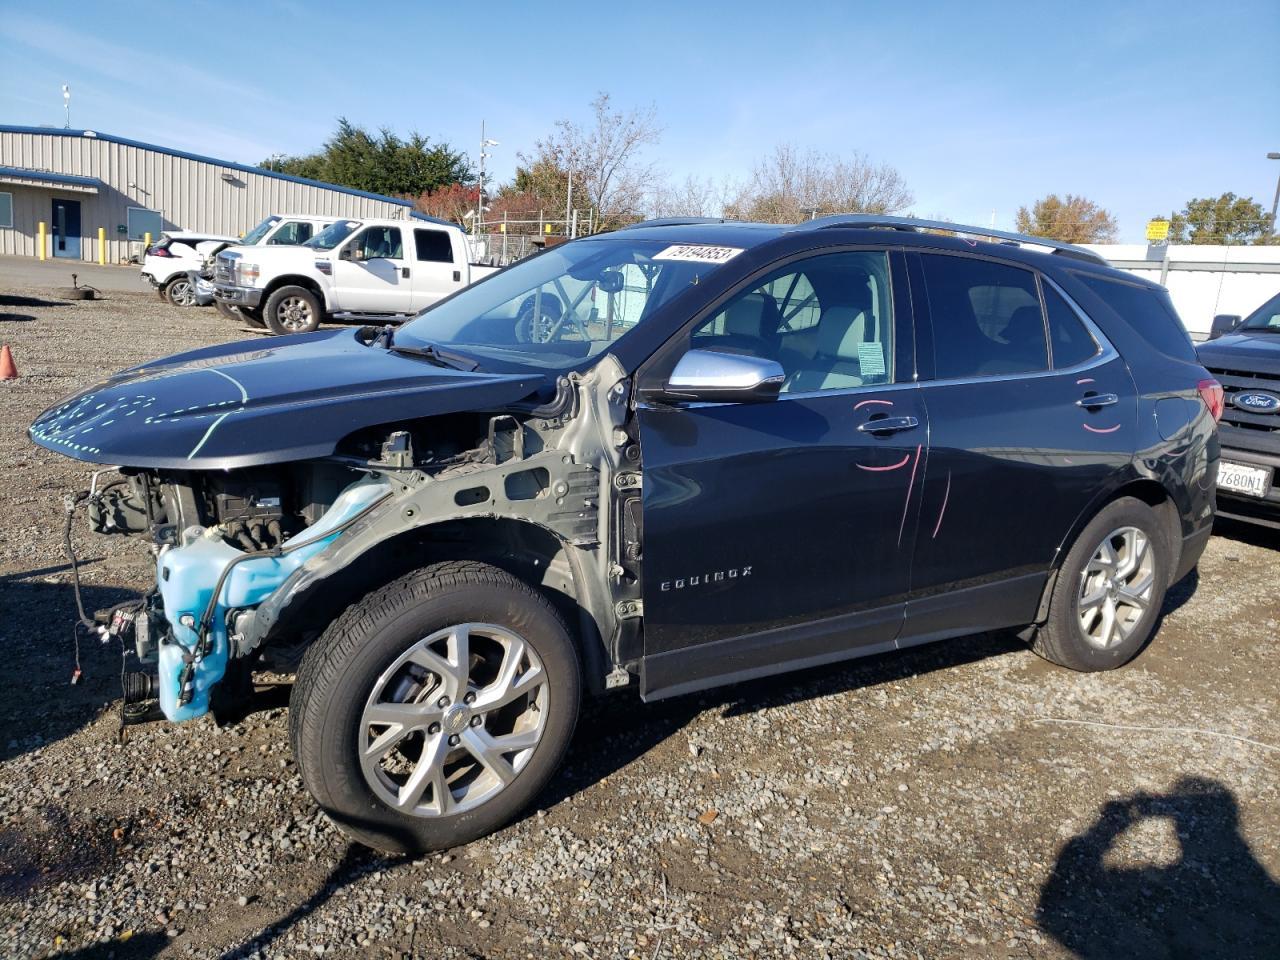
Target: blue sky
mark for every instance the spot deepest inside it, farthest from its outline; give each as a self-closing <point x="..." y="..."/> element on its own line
<point x="981" y="106"/>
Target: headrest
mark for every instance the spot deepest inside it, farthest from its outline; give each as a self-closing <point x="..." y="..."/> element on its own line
<point x="1025" y="324"/>
<point x="755" y="315"/>
<point x="840" y="330"/>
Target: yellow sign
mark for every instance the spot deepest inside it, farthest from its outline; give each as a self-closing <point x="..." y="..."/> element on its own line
<point x="1157" y="230"/>
<point x="502" y="228"/>
<point x="547" y="228"/>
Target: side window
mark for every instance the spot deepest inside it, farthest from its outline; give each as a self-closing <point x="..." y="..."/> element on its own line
<point x="1150" y="312"/>
<point x="380" y="243"/>
<point x="986" y="317"/>
<point x="292" y="233"/>
<point x="140" y="221"/>
<point x="827" y="320"/>
<point x="433" y="246"/>
<point x="6" y="209"/>
<point x="1070" y="341"/>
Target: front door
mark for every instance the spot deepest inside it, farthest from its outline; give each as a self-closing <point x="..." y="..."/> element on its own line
<point x="1031" y="413"/>
<point x="778" y="533"/>
<point x="378" y="277"/>
<point x="66" y="228"/>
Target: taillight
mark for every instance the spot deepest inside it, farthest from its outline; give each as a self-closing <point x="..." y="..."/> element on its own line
<point x="1211" y="394"/>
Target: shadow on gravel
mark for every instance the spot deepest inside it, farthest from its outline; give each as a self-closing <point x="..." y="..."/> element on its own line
<point x="1253" y="534"/>
<point x="141" y="946"/>
<point x="15" y="317"/>
<point x="14" y="300"/>
<point x="614" y="732"/>
<point x="1216" y="900"/>
<point x="40" y="705"/>
<point x="355" y="863"/>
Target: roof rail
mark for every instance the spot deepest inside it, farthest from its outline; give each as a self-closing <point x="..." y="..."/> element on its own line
<point x="873" y="221"/>
<point x="674" y="222"/>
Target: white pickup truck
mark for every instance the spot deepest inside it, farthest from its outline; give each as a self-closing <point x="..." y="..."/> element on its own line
<point x="356" y="269"/>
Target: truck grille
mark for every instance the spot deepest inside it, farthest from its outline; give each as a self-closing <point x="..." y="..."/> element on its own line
<point x="224" y="271"/>
<point x="1235" y="382"/>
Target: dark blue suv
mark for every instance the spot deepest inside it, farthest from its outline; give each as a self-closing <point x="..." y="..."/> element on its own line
<point x="672" y="457"/>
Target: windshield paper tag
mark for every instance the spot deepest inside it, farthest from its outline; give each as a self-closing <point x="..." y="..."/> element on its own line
<point x="698" y="253"/>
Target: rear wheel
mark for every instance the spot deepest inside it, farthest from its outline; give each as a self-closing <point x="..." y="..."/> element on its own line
<point x="1108" y="594"/>
<point x="436" y="708"/>
<point x="292" y="310"/>
<point x="181" y="292"/>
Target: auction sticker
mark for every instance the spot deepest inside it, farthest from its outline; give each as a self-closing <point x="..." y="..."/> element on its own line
<point x="698" y="253"/>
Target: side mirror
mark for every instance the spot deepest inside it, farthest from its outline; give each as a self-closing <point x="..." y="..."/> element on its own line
<point x="349" y="253"/>
<point x="714" y="377"/>
<point x="610" y="281"/>
<point x="1223" y="324"/>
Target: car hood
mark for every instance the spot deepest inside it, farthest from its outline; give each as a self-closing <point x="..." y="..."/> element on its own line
<point x="261" y="401"/>
<point x="259" y="252"/>
<point x="1243" y="352"/>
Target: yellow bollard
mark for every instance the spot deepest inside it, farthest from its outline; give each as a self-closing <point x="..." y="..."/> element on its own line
<point x="40" y="251"/>
<point x="102" y="246"/>
<point x="146" y="242"/>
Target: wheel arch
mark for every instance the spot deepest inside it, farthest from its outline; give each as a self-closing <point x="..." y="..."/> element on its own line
<point x="528" y="551"/>
<point x="1151" y="492"/>
<point x="296" y="280"/>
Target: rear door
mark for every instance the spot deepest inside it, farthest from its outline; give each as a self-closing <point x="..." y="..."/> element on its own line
<point x="1032" y="415"/>
<point x="778" y="534"/>
<point x="437" y="272"/>
<point x="378" y="279"/>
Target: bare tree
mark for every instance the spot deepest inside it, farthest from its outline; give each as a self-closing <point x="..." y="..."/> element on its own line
<point x="604" y="158"/>
<point x="1071" y="219"/>
<point x="790" y="186"/>
<point x="692" y="197"/>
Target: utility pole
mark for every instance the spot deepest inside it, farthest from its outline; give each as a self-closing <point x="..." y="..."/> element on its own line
<point x="475" y="227"/>
<point x="66" y="105"/>
<point x="1276" y="202"/>
<point x="568" y="203"/>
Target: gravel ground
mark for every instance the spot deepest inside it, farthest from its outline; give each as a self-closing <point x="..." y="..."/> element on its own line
<point x="917" y="805"/>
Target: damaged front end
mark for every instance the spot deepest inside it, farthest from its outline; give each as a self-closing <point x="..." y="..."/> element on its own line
<point x="257" y="549"/>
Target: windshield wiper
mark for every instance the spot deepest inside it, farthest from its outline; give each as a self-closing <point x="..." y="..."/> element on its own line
<point x="441" y="358"/>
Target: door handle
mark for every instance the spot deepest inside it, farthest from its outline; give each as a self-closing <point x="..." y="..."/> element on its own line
<point x="888" y="424"/>
<point x="404" y="272"/>
<point x="457" y="276"/>
<point x="1091" y="401"/>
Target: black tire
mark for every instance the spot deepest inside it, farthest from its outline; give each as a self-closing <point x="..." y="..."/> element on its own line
<point x="252" y="317"/>
<point x="1062" y="639"/>
<point x="343" y="669"/>
<point x="292" y="310"/>
<point x="179" y="292"/>
<point x="160" y="292"/>
<point x="226" y="310"/>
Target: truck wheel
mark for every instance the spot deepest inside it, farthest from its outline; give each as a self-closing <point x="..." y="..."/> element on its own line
<point x="181" y="292"/>
<point x="435" y="709"/>
<point x="292" y="310"/>
<point x="1108" y="594"/>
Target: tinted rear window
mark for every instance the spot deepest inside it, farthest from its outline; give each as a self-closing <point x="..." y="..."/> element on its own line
<point x="1149" y="312"/>
<point x="1072" y="343"/>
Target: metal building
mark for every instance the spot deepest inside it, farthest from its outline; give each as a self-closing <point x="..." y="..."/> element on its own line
<point x="78" y="182"/>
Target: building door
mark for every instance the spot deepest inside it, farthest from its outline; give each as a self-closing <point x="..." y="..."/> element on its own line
<point x="66" y="228"/>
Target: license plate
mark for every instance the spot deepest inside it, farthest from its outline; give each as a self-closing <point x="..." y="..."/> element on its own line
<point x="1242" y="478"/>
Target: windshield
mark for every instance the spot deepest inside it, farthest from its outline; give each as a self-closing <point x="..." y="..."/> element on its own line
<point x="563" y="306"/>
<point x="332" y="235"/>
<point x="1266" y="317"/>
<point x="257" y="233"/>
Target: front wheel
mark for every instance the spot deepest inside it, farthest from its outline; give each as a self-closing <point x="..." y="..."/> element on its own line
<point x="292" y="310"/>
<point x="180" y="292"/>
<point x="1108" y="594"/>
<point x="436" y="708"/>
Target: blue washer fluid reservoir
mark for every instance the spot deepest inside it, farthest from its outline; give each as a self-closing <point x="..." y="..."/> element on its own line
<point x="187" y="576"/>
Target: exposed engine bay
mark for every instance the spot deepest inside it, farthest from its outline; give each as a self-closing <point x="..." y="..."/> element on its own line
<point x="257" y="560"/>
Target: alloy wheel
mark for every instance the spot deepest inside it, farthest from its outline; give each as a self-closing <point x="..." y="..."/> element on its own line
<point x="453" y="720"/>
<point x="1116" y="587"/>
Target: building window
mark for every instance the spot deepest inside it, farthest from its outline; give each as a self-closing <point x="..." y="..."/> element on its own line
<point x="6" y="209"/>
<point x="143" y="221"/>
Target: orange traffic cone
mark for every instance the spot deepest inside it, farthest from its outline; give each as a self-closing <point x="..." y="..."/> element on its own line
<point x="8" y="370"/>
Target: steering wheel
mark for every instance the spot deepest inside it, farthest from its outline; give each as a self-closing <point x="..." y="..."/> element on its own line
<point x="541" y="328"/>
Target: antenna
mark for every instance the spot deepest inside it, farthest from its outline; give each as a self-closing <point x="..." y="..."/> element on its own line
<point x="66" y="104"/>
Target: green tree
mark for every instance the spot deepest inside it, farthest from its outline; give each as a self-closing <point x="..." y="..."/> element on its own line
<point x="382" y="163"/>
<point x="1227" y="219"/>
<point x="1071" y="219"/>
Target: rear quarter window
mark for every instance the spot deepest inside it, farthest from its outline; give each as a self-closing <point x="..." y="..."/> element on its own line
<point x="1149" y="312"/>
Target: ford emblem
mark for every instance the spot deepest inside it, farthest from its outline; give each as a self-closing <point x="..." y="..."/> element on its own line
<point x="1257" y="402"/>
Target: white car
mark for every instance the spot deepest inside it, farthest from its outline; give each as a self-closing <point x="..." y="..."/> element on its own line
<point x="167" y="262"/>
<point x="361" y="269"/>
